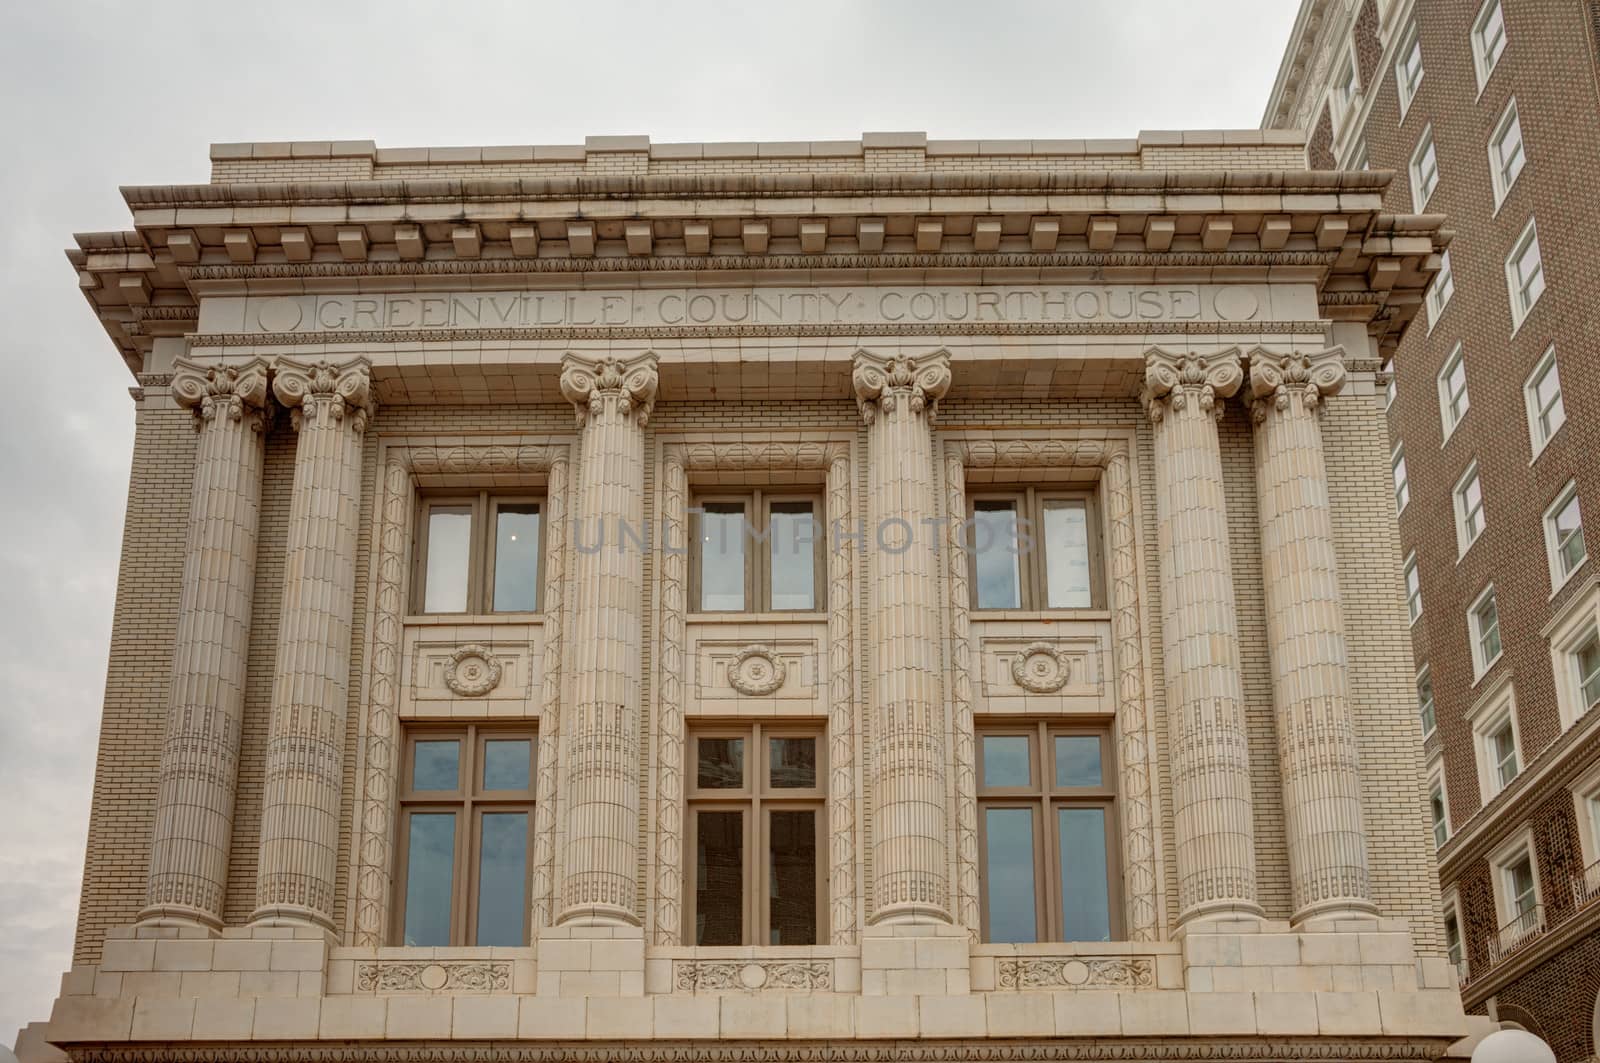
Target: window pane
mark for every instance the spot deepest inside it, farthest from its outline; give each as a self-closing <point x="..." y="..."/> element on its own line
<point x="1078" y="760"/>
<point x="1085" y="895"/>
<point x="435" y="765"/>
<point x="1588" y="659"/>
<point x="506" y="763"/>
<point x="719" y="878"/>
<point x="722" y="557"/>
<point x="430" y="873"/>
<point x="1005" y="761"/>
<point x="1066" y="554"/>
<point x="449" y="546"/>
<point x="721" y="763"/>
<point x="994" y="542"/>
<point x="1522" y="886"/>
<point x="502" y="878"/>
<point x="1008" y="873"/>
<point x="516" y="558"/>
<point x="793" y="537"/>
<point x="792" y="763"/>
<point x="792" y="878"/>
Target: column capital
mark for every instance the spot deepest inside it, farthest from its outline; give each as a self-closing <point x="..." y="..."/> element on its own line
<point x="1276" y="378"/>
<point x="313" y="390"/>
<point x="1174" y="379"/>
<point x="881" y="383"/>
<point x="587" y="383"/>
<point x="230" y="390"/>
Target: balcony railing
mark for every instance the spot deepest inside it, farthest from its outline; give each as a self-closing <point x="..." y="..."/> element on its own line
<point x="1517" y="934"/>
<point x="1586" y="886"/>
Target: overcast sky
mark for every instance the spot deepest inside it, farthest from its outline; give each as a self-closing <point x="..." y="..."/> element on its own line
<point x="93" y="96"/>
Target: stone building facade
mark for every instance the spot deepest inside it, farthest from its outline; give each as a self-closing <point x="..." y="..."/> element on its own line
<point x="1489" y="114"/>
<point x="899" y="599"/>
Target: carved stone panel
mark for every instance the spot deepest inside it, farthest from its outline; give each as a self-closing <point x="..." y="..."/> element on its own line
<point x="743" y="669"/>
<point x="1077" y="972"/>
<point x="473" y="671"/>
<point x="750" y="976"/>
<point x="1040" y="667"/>
<point x="433" y="976"/>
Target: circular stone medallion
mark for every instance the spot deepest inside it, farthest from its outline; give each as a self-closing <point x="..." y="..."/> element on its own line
<point x="279" y="315"/>
<point x="433" y="976"/>
<point x="1075" y="973"/>
<point x="753" y="976"/>
<point x="757" y="671"/>
<point x="472" y="671"/>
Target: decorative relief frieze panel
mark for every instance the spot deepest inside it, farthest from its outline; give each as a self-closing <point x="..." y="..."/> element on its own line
<point x="476" y="670"/>
<point x="751" y="976"/>
<point x="1077" y="972"/>
<point x="433" y="976"/>
<point x="1055" y="667"/>
<point x="734" y="673"/>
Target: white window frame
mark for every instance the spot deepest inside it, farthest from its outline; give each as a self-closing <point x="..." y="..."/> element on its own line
<point x="1391" y="390"/>
<point x="1586" y="799"/>
<point x="1425" y="148"/>
<point x="1567" y="632"/>
<point x="1401" y="478"/>
<point x="1436" y="783"/>
<point x="1501" y="861"/>
<point x="1538" y="438"/>
<point x="1497" y="170"/>
<point x="1426" y="672"/>
<point x="1465" y="536"/>
<point x="1450" y="904"/>
<point x="1440" y="291"/>
<point x="1342" y="105"/>
<point x="1449" y="417"/>
<point x="1516" y="283"/>
<point x="1559" y="574"/>
<point x="1484" y="64"/>
<point x="1409" y="573"/>
<point x="1406" y="89"/>
<point x="1490" y="714"/>
<point x="1480" y="666"/>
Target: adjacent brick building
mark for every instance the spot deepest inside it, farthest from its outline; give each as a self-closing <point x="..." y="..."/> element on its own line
<point x="1488" y="112"/>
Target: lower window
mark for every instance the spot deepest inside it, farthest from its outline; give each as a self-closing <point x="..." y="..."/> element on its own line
<point x="466" y="827"/>
<point x="756" y="836"/>
<point x="1048" y="834"/>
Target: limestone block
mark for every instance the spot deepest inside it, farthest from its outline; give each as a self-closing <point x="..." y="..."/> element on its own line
<point x="91" y="1019"/>
<point x="754" y="1017"/>
<point x="350" y="1018"/>
<point x="79" y="982"/>
<point x="1387" y="948"/>
<point x="545" y="1017"/>
<point x="479" y="1018"/>
<point x="209" y="984"/>
<point x="224" y="1020"/>
<point x="1222" y="1013"/>
<point x="286" y="1019"/>
<point x="269" y="983"/>
<point x="298" y="956"/>
<point x="1021" y="1015"/>
<point x="162" y="1020"/>
<point x="128" y="956"/>
<point x="1348" y="1013"/>
<point x="1428" y="1013"/>
<point x="1292" y="1014"/>
<point x="820" y="1016"/>
<point x="1160" y="1014"/>
<point x="1269" y="950"/>
<point x="1088" y="1014"/>
<point x="885" y="1017"/>
<point x="241" y="955"/>
<point x="687" y="1017"/>
<point x="183" y="956"/>
<point x="415" y="1018"/>
<point x="152" y="984"/>
<point x="1330" y="949"/>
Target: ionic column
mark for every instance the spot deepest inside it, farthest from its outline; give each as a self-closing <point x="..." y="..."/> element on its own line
<point x="897" y="397"/>
<point x="205" y="704"/>
<point x="330" y="405"/>
<point x="600" y="875"/>
<point x="1305" y="629"/>
<point x="1212" y="814"/>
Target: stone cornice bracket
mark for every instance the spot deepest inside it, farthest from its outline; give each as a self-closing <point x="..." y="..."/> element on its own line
<point x="631" y="381"/>
<point x="1278" y="377"/>
<point x="326" y="390"/>
<point x="881" y="383"/>
<point x="1177" y="378"/>
<point x="232" y="390"/>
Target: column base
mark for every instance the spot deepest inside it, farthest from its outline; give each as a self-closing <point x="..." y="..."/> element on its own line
<point x="1327" y="915"/>
<point x="910" y="912"/>
<point x="291" y="916"/>
<point x="178" y="917"/>
<point x="1222" y="911"/>
<point x="597" y="915"/>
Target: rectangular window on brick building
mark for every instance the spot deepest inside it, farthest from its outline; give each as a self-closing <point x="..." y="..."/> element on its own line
<point x="1342" y="97"/>
<point x="1488" y="40"/>
<point x="1563" y="536"/>
<point x="1546" y="411"/>
<point x="1413" y="588"/>
<point x="478" y="553"/>
<point x="1525" y="274"/>
<point x="1453" y="399"/>
<point x="1506" y="157"/>
<point x="1438" y="813"/>
<point x="1440" y="291"/>
<point x="1484" y="621"/>
<point x="1033" y="548"/>
<point x="1424" y="171"/>
<point x="1469" y="508"/>
<point x="1408" y="68"/>
<point x="1390" y="390"/>
<point x="757" y="551"/>
<point x="1496" y="741"/>
<point x="1425" y="709"/>
<point x="1402" y="484"/>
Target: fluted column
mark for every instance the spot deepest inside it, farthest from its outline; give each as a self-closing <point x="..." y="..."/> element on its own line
<point x="330" y="405"/>
<point x="200" y="757"/>
<point x="1305" y="629"/>
<point x="600" y="874"/>
<point x="1212" y="814"/>
<point x="897" y="397"/>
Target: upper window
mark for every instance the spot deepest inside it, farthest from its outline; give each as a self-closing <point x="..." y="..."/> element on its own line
<point x="1505" y="153"/>
<point x="466" y="821"/>
<point x="756" y="837"/>
<point x="1425" y="710"/>
<point x="1408" y="69"/>
<point x="1424" y="171"/>
<point x="1390" y="389"/>
<point x="1438" y="813"/>
<point x="1495" y="739"/>
<point x="1483" y="619"/>
<point x="1452" y="938"/>
<point x="1586" y="670"/>
<point x="757" y="551"/>
<point x="1413" y="588"/>
<point x="1469" y="508"/>
<point x="1503" y="748"/>
<point x="1546" y="411"/>
<point x="1402" y="485"/>
<point x="1440" y="291"/>
<point x="1342" y="98"/>
<point x="1033" y="549"/>
<point x="1488" y="40"/>
<point x="478" y="553"/>
<point x="1574" y="637"/>
<point x="1047" y="834"/>
<point x="1563" y="536"/>
<point x="1525" y="274"/>
<point x="1453" y="401"/>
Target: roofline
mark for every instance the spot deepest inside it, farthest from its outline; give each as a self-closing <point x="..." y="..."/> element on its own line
<point x="1296" y="44"/>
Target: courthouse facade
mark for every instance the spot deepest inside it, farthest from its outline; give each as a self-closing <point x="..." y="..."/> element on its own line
<point x="889" y="598"/>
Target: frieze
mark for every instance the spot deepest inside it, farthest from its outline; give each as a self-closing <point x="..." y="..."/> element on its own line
<point x="751" y="975"/>
<point x="443" y="976"/>
<point x="1077" y="972"/>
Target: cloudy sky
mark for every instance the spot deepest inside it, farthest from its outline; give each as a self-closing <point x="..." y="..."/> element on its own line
<point x="93" y="96"/>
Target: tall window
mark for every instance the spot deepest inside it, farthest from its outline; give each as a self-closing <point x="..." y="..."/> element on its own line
<point x="1390" y="389"/>
<point x="1402" y="485"/>
<point x="756" y="835"/>
<point x="478" y="553"/>
<point x="1440" y="291"/>
<point x="1469" y="508"/>
<point x="1520" y="886"/>
<point x="1342" y="99"/>
<point x="1586" y="666"/>
<point x="1425" y="710"/>
<point x="1525" y="274"/>
<point x="1424" y="170"/>
<point x="1503" y="748"/>
<point x="1441" y="818"/>
<point x="466" y="821"/>
<point x="1484" y="619"/>
<point x="1047" y="834"/>
<point x="1413" y="588"/>
<point x="1563" y="536"/>
<point x="758" y="551"/>
<point x="1033" y="549"/>
<point x="1408" y="69"/>
<point x="1488" y="39"/>
<point x="1546" y="412"/>
<point x="1453" y="400"/>
<point x="1506" y="157"/>
<point x="1452" y="939"/>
